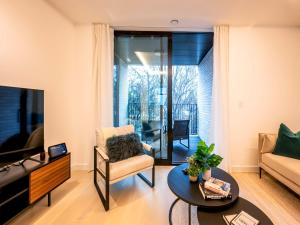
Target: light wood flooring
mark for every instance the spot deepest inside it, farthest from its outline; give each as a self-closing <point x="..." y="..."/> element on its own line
<point x="134" y="203"/>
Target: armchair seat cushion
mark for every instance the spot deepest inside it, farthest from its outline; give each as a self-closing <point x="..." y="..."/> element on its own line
<point x="287" y="167"/>
<point x="127" y="167"/>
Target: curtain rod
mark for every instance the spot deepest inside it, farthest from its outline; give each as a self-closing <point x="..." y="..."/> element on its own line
<point x="186" y="29"/>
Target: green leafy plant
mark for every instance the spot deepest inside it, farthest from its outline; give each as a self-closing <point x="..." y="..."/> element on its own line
<point x="193" y="169"/>
<point x="205" y="157"/>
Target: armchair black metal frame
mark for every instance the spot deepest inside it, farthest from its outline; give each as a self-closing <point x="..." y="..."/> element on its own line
<point x="105" y="197"/>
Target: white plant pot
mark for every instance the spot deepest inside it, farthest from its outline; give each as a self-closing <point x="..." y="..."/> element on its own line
<point x="193" y="178"/>
<point x="206" y="174"/>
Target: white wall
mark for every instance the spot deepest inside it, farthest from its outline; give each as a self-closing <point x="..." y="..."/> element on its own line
<point x="204" y="98"/>
<point x="264" y="88"/>
<point x="39" y="48"/>
<point x="83" y="101"/>
<point x="36" y="51"/>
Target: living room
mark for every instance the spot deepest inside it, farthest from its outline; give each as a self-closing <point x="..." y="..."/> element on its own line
<point x="50" y="45"/>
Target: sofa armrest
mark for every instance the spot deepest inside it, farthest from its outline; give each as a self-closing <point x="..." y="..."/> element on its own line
<point x="266" y="143"/>
<point x="260" y="141"/>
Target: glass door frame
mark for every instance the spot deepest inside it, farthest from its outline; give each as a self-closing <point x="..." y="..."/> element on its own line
<point x="168" y="160"/>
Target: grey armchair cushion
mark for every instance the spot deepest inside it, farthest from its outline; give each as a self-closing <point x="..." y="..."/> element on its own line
<point x="123" y="147"/>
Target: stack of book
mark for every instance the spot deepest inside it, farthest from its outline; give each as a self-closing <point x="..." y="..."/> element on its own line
<point x="215" y="189"/>
<point x="241" y="218"/>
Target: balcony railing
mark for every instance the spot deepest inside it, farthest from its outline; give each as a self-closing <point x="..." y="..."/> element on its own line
<point x="138" y="112"/>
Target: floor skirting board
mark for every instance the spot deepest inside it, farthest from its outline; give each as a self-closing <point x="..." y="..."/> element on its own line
<point x="244" y="168"/>
<point x="80" y="166"/>
<point x="234" y="168"/>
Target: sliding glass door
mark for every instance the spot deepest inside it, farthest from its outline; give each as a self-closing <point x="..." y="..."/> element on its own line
<point x="142" y="88"/>
<point x="163" y="86"/>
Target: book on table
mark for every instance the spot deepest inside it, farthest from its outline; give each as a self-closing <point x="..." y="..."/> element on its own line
<point x="217" y="186"/>
<point x="215" y="189"/>
<point x="208" y="194"/>
<point x="241" y="218"/>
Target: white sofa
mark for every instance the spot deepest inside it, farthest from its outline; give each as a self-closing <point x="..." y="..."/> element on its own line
<point x="284" y="169"/>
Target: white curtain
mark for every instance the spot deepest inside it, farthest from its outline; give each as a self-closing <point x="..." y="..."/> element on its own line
<point x="220" y="117"/>
<point x="103" y="74"/>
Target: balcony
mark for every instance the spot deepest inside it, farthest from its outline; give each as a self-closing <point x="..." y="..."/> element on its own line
<point x="136" y="114"/>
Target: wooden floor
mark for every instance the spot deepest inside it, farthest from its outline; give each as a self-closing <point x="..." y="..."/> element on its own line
<point x="134" y="203"/>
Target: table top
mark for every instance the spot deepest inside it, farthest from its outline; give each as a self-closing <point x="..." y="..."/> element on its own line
<point x="215" y="217"/>
<point x="16" y="172"/>
<point x="189" y="192"/>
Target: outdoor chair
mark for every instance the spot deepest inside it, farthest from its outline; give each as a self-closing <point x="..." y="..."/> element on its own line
<point x="181" y="131"/>
<point x="151" y="132"/>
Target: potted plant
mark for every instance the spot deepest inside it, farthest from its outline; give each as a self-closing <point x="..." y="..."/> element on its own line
<point x="193" y="169"/>
<point x="205" y="159"/>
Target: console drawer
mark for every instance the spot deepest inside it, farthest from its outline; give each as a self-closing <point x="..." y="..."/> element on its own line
<point x="48" y="177"/>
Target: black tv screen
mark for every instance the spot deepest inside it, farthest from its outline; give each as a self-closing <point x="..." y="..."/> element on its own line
<point x="21" y="123"/>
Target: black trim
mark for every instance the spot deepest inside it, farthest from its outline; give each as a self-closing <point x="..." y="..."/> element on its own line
<point x="105" y="199"/>
<point x="151" y="184"/>
<point x="170" y="101"/>
<point x="49" y="199"/>
<point x="260" y="169"/>
<point x="141" y="33"/>
<point x="171" y="210"/>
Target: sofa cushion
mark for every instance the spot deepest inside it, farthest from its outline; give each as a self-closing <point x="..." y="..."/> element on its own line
<point x="104" y="133"/>
<point x="288" y="143"/>
<point x="123" y="147"/>
<point x="287" y="167"/>
<point x="128" y="166"/>
<point x="269" y="141"/>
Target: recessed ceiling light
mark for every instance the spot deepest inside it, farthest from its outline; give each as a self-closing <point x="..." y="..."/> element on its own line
<point x="174" y="22"/>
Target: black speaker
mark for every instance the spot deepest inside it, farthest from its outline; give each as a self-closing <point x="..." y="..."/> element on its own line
<point x="57" y="150"/>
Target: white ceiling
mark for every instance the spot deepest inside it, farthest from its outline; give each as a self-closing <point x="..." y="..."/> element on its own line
<point x="190" y="13"/>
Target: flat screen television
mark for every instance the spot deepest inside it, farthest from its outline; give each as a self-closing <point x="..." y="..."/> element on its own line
<point x="21" y="123"/>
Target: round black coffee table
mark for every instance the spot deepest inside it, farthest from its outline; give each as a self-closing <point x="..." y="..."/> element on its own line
<point x="208" y="217"/>
<point x="189" y="192"/>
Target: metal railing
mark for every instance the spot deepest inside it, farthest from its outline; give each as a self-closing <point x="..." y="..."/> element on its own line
<point x="138" y="112"/>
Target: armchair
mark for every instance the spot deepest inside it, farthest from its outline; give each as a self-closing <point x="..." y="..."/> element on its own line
<point x="117" y="171"/>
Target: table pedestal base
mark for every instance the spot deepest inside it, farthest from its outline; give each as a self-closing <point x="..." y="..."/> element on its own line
<point x="171" y="209"/>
